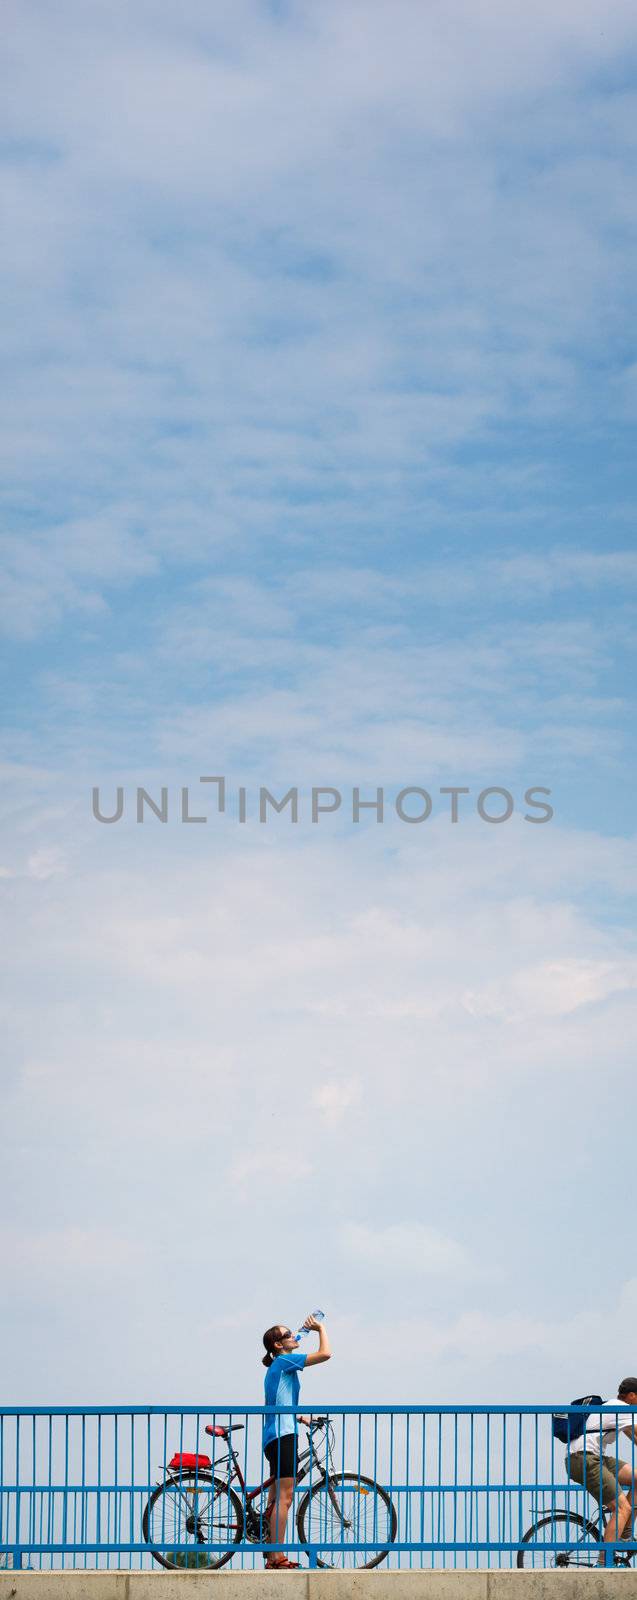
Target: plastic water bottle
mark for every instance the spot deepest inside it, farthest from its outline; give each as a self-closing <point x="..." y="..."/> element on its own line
<point x="319" y="1316"/>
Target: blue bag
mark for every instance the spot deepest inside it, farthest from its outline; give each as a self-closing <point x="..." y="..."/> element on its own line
<point x="568" y="1428"/>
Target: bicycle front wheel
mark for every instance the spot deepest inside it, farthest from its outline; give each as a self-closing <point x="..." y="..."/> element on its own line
<point x="563" y="1528"/>
<point x="347" y="1510"/>
<point x="194" y="1510"/>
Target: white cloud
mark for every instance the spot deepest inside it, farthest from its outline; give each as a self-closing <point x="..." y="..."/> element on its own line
<point x="404" y="1247"/>
<point x="565" y="569"/>
<point x="44" y="864"/>
<point x="395" y="709"/>
<point x="255" y="1166"/>
<point x="552" y="989"/>
<point x="45" y="1259"/>
<point x="493" y="1354"/>
<point x="334" y="1099"/>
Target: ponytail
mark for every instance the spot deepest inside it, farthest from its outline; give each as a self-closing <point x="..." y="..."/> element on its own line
<point x="270" y="1338"/>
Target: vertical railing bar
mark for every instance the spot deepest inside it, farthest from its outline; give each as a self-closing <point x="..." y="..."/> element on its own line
<point x="391" y="1454"/>
<point x="131" y="1500"/>
<point x="74" y="1494"/>
<point x="501" y="1496"/>
<point x="147" y="1486"/>
<point x="41" y="1529"/>
<point x="164" y="1470"/>
<point x="488" y="1517"/>
<point x="32" y="1494"/>
<point x="83" y="1489"/>
<point x="357" y="1529"/>
<point x="519" y="1496"/>
<point x="471" y="1476"/>
<point x="31" y="1519"/>
<point x="181" y="1469"/>
<point x="51" y="1496"/>
<point x="440" y="1481"/>
<point x="359" y="1452"/>
<point x="116" y="1497"/>
<point x="65" y="1511"/>
<point x="17" y="1479"/>
<point x="408" y="1504"/>
<point x="246" y="1453"/>
<point x="98" y="1507"/>
<point x="375" y="1516"/>
<point x="2" y="1497"/>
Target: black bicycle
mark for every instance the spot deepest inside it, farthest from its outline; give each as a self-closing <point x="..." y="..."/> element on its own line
<point x="576" y="1535"/>
<point x="198" y="1509"/>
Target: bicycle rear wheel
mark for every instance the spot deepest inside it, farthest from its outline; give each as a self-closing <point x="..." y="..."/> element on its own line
<point x="195" y="1510"/>
<point x="566" y="1528"/>
<point x="345" y="1510"/>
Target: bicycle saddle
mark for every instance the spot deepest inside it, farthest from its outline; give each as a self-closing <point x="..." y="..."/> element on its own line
<point x="222" y="1433"/>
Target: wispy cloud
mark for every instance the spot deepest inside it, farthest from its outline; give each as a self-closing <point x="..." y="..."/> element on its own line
<point x="404" y="1247"/>
<point x="335" y="1099"/>
<point x="552" y="988"/>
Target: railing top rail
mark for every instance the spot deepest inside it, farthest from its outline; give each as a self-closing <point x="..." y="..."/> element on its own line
<point x="234" y="1409"/>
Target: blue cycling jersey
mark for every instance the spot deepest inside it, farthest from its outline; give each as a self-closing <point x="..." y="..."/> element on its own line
<point x="282" y="1386"/>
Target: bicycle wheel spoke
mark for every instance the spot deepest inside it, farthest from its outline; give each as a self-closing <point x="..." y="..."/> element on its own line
<point x="194" y="1514"/>
<point x="348" y="1512"/>
<point x="561" y="1540"/>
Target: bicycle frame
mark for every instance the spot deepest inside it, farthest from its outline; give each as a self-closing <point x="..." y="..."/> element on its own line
<point x="308" y="1458"/>
<point x="597" y="1519"/>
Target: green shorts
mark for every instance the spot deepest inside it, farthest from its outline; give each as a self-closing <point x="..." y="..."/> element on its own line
<point x="601" y="1476"/>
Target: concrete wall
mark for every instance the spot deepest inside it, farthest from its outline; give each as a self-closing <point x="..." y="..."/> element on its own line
<point x="378" y="1585"/>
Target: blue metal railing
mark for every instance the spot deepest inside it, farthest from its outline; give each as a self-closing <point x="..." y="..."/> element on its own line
<point x="409" y="1486"/>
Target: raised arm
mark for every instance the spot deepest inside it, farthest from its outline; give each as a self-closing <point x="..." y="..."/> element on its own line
<point x="324" y="1350"/>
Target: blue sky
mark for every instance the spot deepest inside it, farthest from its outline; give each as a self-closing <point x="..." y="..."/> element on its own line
<point x="319" y="469"/>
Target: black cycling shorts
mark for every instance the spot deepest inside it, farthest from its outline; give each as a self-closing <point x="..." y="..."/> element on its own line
<point x="281" y="1456"/>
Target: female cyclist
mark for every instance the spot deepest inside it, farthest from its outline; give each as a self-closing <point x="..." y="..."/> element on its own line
<point x="284" y="1362"/>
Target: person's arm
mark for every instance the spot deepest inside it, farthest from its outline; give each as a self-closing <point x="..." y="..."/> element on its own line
<point x="631" y="1430"/>
<point x="324" y="1350"/>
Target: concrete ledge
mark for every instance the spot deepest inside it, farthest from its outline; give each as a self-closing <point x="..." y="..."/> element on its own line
<point x="375" y="1585"/>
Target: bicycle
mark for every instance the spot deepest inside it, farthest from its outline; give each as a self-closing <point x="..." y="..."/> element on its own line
<point x="561" y="1522"/>
<point x="195" y="1506"/>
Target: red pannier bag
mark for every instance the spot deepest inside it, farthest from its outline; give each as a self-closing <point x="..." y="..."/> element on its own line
<point x="182" y="1462"/>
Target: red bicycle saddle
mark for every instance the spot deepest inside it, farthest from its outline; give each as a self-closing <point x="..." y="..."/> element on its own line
<point x="222" y="1433"/>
